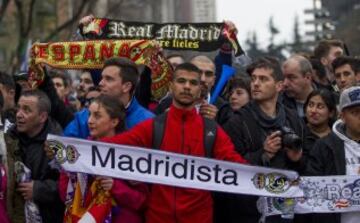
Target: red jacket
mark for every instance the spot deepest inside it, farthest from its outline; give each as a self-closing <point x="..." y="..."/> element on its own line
<point x="183" y="134"/>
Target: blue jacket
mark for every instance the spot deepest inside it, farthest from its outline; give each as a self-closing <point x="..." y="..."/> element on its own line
<point x="78" y="127"/>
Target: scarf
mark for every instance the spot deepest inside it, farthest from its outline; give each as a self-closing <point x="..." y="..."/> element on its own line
<point x="88" y="202"/>
<point x="267" y="122"/>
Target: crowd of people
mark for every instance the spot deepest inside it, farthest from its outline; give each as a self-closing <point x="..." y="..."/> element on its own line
<point x="312" y="98"/>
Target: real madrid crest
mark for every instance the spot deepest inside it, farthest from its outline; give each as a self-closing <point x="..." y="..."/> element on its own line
<point x="63" y="153"/>
<point x="272" y="182"/>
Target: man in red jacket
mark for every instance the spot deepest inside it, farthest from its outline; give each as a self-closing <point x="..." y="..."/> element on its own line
<point x="183" y="133"/>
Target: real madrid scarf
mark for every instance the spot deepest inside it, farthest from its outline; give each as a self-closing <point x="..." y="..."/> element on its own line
<point x="285" y="192"/>
<point x="172" y="36"/>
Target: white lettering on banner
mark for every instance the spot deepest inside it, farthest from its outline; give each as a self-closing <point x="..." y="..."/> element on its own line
<point x="155" y="166"/>
<point x="166" y="32"/>
<point x="325" y="194"/>
<point x="180" y="170"/>
<point x="120" y="30"/>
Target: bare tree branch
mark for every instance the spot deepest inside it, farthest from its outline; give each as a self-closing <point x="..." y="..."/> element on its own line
<point x="68" y="23"/>
<point x="3" y="8"/>
<point x="19" y="6"/>
<point x="25" y="23"/>
<point x="30" y="17"/>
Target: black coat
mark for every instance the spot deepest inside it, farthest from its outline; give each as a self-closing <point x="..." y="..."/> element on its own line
<point x="310" y="139"/>
<point x="327" y="158"/>
<point x="59" y="111"/>
<point x="248" y="137"/>
<point x="45" y="191"/>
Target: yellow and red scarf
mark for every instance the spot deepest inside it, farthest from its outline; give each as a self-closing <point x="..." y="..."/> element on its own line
<point x="90" y="203"/>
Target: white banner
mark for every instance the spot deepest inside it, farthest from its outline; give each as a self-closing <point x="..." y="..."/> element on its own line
<point x="155" y="166"/>
<point x="322" y="195"/>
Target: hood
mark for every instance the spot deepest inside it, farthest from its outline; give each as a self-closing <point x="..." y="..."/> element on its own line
<point x="339" y="130"/>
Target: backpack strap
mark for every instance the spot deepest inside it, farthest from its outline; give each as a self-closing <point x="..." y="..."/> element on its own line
<point x="210" y="131"/>
<point x="159" y="123"/>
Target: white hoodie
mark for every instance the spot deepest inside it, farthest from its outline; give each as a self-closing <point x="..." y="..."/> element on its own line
<point x="352" y="162"/>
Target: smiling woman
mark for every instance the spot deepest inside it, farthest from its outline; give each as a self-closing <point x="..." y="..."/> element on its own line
<point x="320" y="111"/>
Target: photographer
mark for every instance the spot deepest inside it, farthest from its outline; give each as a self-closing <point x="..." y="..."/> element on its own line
<point x="265" y="132"/>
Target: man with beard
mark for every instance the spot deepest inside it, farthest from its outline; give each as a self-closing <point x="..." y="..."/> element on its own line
<point x="217" y="111"/>
<point x="184" y="134"/>
<point x="86" y="81"/>
<point x="257" y="130"/>
<point x="207" y="81"/>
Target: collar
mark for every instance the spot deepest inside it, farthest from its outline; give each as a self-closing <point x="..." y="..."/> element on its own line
<point x="40" y="137"/>
<point x="131" y="105"/>
<point x="182" y="114"/>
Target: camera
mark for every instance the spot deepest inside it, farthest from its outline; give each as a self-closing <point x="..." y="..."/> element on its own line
<point x="290" y="139"/>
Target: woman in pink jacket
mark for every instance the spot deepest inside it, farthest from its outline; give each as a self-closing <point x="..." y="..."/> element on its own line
<point x="128" y="198"/>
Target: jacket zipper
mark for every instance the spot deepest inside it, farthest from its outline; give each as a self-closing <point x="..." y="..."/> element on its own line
<point x="175" y="218"/>
<point x="182" y="152"/>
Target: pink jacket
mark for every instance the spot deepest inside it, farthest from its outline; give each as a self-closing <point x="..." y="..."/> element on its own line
<point x="130" y="197"/>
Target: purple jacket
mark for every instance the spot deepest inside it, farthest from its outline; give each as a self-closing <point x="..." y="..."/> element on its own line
<point x="3" y="213"/>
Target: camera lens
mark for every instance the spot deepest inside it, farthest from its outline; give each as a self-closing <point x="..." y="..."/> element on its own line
<point x="290" y="139"/>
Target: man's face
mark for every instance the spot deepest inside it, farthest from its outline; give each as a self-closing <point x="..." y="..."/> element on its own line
<point x="345" y="77"/>
<point x="294" y="81"/>
<point x="111" y="83"/>
<point x="351" y="118"/>
<point x="85" y="83"/>
<point x="61" y="90"/>
<point x="334" y="52"/>
<point x="185" y="88"/>
<point x="207" y="76"/>
<point x="263" y="85"/>
<point x="28" y="117"/>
